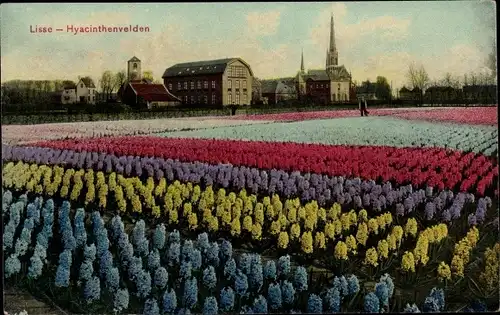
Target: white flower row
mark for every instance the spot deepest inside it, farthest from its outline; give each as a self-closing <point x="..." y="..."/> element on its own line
<point x="385" y="131"/>
<point x="13" y="134"/>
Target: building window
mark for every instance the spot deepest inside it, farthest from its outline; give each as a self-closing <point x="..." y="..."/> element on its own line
<point x="205" y="85"/>
<point x="237" y="84"/>
<point x="192" y="99"/>
<point x="185" y="99"/>
<point x="179" y="87"/>
<point x="213" y="98"/>
<point x="237" y="98"/>
<point x="230" y="98"/>
<point x="199" y="85"/>
<point x="199" y="99"/>
<point x="229" y="84"/>
<point x="185" y="85"/>
<point x="170" y="86"/>
<point x="244" y="84"/>
<point x="205" y="99"/>
<point x="192" y="85"/>
<point x="230" y="71"/>
<point x="135" y="66"/>
<point x="81" y="85"/>
<point x="88" y="98"/>
<point x="213" y="84"/>
<point x="244" y="98"/>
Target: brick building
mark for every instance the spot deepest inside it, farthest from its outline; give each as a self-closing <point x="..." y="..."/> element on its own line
<point x="213" y="82"/>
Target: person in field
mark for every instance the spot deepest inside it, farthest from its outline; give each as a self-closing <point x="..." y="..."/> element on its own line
<point x="363" y="106"/>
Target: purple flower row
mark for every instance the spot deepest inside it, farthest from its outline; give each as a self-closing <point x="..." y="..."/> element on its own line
<point x="444" y="205"/>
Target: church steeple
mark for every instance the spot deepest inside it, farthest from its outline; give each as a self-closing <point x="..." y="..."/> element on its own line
<point x="302" y="62"/>
<point x="332" y="35"/>
<point x="331" y="53"/>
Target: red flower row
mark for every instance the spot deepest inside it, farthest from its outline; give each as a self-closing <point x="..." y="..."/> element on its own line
<point x="468" y="115"/>
<point x="437" y="167"/>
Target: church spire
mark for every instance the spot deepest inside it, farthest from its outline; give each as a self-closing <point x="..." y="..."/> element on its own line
<point x="332" y="35"/>
<point x="302" y="61"/>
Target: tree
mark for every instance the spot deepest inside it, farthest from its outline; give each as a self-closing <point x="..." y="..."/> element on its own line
<point x="418" y="78"/>
<point x="120" y="78"/>
<point x="382" y="88"/>
<point x="148" y="75"/>
<point x="107" y="83"/>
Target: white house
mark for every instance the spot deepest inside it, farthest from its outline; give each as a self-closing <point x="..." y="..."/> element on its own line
<point x="83" y="92"/>
<point x="86" y="91"/>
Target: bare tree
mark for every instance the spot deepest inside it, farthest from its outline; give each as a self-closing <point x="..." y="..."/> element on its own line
<point x="418" y="78"/>
<point x="107" y="83"/>
<point x="120" y="78"/>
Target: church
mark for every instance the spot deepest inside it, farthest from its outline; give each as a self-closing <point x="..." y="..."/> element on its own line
<point x="331" y="85"/>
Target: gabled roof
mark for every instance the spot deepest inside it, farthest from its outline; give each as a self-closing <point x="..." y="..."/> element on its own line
<point x="201" y="67"/>
<point x="153" y="92"/>
<point x="134" y="59"/>
<point x="269" y="86"/>
<point x="317" y="75"/>
<point x="89" y="83"/>
<point x="69" y="86"/>
<point x="404" y="89"/>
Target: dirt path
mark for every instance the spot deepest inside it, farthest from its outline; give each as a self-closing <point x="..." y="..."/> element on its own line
<point x="16" y="300"/>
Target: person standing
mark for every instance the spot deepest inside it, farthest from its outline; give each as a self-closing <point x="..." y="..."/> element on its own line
<point x="362" y="107"/>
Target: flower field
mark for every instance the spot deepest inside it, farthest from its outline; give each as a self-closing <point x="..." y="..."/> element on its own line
<point x="393" y="213"/>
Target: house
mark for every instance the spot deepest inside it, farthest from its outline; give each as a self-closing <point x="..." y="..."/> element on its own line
<point x="68" y="93"/>
<point x="441" y="94"/>
<point x="409" y="95"/>
<point x="331" y="85"/>
<point x="279" y="90"/>
<point x="86" y="91"/>
<point x="366" y="91"/>
<point x="213" y="82"/>
<point x="480" y="93"/>
<point x="147" y="95"/>
<point x="83" y="92"/>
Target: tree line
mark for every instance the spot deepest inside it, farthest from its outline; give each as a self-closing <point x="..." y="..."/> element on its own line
<point x="27" y="95"/>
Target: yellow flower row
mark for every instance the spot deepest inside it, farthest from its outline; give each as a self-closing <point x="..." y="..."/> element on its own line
<point x="489" y="277"/>
<point x="461" y="254"/>
<point x="431" y="235"/>
<point x="237" y="213"/>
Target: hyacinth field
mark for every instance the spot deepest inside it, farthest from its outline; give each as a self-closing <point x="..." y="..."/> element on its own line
<point x="283" y="213"/>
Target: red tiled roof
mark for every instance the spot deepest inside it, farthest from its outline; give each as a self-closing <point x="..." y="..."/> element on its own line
<point x="153" y="92"/>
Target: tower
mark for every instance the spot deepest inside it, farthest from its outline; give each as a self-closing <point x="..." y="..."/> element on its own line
<point x="331" y="53"/>
<point x="302" y="70"/>
<point x="134" y="69"/>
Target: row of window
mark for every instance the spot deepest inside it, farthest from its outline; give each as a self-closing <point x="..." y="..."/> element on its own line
<point x="236" y="71"/>
<point x="184" y="84"/>
<point x="199" y="100"/>
<point x="322" y="86"/>
<point x="237" y="99"/>
<point x="237" y="84"/>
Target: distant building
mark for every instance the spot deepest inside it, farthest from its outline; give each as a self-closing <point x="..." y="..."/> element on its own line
<point x="256" y="91"/>
<point x="480" y="93"/>
<point x="406" y="94"/>
<point x="216" y="82"/>
<point x="367" y="90"/>
<point x="441" y="94"/>
<point x="279" y="90"/>
<point x="68" y="94"/>
<point x="86" y="91"/>
<point x="332" y="85"/>
<point x="83" y="92"/>
<point x="143" y="93"/>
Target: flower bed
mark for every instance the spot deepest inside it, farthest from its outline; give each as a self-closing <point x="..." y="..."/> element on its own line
<point x="434" y="167"/>
<point x="472" y="116"/>
<point x="381" y="131"/>
<point x="12" y="134"/>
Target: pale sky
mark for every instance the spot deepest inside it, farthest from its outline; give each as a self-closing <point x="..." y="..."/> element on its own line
<point x="373" y="38"/>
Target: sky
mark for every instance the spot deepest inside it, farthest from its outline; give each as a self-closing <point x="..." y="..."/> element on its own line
<point x="373" y="38"/>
